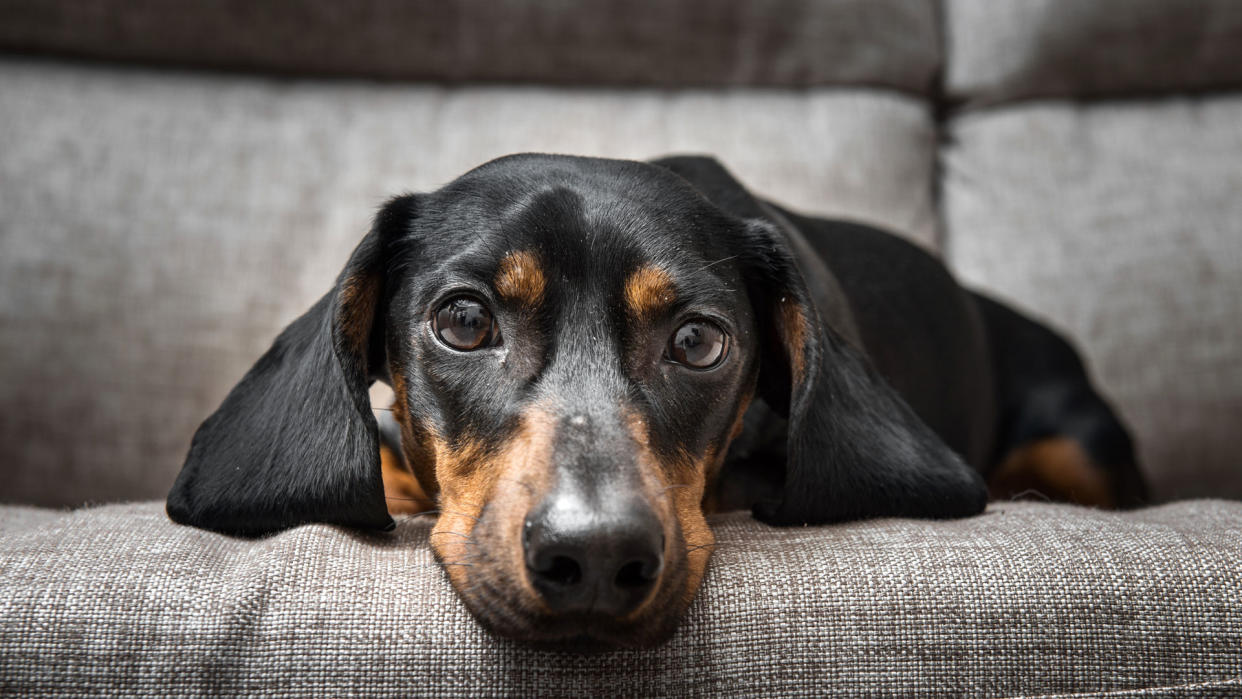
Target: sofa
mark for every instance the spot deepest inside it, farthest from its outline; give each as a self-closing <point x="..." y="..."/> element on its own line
<point x="179" y="181"/>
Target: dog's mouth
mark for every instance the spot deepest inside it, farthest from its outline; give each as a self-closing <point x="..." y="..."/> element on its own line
<point x="508" y="610"/>
<point x="491" y="574"/>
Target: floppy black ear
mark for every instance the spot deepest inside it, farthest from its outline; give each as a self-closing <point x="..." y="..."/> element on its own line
<point x="295" y="441"/>
<point x="855" y="448"/>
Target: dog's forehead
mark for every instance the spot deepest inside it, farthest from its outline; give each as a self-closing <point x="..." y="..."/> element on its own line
<point x="529" y="173"/>
<point x="584" y="219"/>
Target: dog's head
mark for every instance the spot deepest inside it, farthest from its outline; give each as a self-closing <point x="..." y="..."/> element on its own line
<point x="572" y="344"/>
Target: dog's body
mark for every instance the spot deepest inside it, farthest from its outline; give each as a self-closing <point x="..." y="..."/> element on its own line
<point x="587" y="355"/>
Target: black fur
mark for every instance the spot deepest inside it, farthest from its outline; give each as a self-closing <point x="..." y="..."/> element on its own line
<point x="895" y="413"/>
<point x="854" y="447"/>
<point x="1043" y="391"/>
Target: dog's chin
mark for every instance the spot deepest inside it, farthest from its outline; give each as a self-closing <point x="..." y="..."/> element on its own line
<point x="586" y="633"/>
<point x="653" y="624"/>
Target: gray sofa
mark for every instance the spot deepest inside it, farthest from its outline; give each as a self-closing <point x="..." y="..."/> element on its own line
<point x="179" y="181"/>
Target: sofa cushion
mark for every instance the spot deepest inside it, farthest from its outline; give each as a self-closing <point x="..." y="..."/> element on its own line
<point x="1122" y="224"/>
<point x="159" y="229"/>
<point x="1026" y="599"/>
<point x="1012" y="49"/>
<point x="894" y="43"/>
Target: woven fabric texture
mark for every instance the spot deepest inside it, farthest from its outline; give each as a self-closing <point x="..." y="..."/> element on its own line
<point x="1027" y="599"/>
<point x="159" y="230"/>
<point x="895" y="43"/>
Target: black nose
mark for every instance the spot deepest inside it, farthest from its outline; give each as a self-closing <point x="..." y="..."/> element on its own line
<point x="593" y="559"/>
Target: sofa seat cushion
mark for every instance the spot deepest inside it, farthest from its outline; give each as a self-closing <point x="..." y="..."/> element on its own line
<point x="1025" y="599"/>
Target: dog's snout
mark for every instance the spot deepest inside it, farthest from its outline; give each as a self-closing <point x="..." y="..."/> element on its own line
<point x="584" y="559"/>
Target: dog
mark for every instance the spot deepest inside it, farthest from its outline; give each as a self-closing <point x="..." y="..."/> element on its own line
<point x="589" y="355"/>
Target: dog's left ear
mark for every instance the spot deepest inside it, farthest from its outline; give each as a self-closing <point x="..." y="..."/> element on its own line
<point x="295" y="441"/>
<point x="855" y="448"/>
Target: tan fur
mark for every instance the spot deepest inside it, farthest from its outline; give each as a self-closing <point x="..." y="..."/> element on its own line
<point x="470" y="478"/>
<point x="711" y="498"/>
<point x="676" y="488"/>
<point x="401" y="489"/>
<point x="520" y="279"/>
<point x="357" y="309"/>
<point x="792" y="325"/>
<point x="416" y="440"/>
<point x="649" y="291"/>
<point x="1057" y="468"/>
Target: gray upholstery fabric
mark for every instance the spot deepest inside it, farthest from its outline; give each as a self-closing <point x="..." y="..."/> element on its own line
<point x="1122" y="224"/>
<point x="895" y="43"/>
<point x="1026" y="599"/>
<point x="158" y="229"/>
<point x="1009" y="49"/>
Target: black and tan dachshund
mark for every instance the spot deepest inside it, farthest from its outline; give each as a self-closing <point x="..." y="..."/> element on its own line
<point x="588" y="355"/>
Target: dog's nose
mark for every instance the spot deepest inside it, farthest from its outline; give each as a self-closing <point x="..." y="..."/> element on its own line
<point x="591" y="559"/>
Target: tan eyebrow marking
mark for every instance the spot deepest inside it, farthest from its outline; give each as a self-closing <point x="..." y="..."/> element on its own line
<point x="649" y="290"/>
<point x="520" y="279"/>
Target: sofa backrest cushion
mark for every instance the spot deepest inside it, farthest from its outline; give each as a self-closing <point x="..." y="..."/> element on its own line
<point x="159" y="229"/>
<point x="1001" y="50"/>
<point x="893" y="43"/>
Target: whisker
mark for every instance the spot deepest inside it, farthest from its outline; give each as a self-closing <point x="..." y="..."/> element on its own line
<point x="1027" y="492"/>
<point x="692" y="533"/>
<point x="461" y="559"/>
<point x="464" y="536"/>
<point x="459" y="514"/>
<point x="726" y="259"/>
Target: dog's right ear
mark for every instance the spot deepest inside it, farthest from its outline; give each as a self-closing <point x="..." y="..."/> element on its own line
<point x="295" y="441"/>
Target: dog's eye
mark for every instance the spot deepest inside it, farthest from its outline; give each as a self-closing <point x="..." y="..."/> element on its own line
<point x="699" y="344"/>
<point x="465" y="324"/>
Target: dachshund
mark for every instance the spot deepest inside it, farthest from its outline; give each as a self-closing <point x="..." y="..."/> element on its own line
<point x="590" y="355"/>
